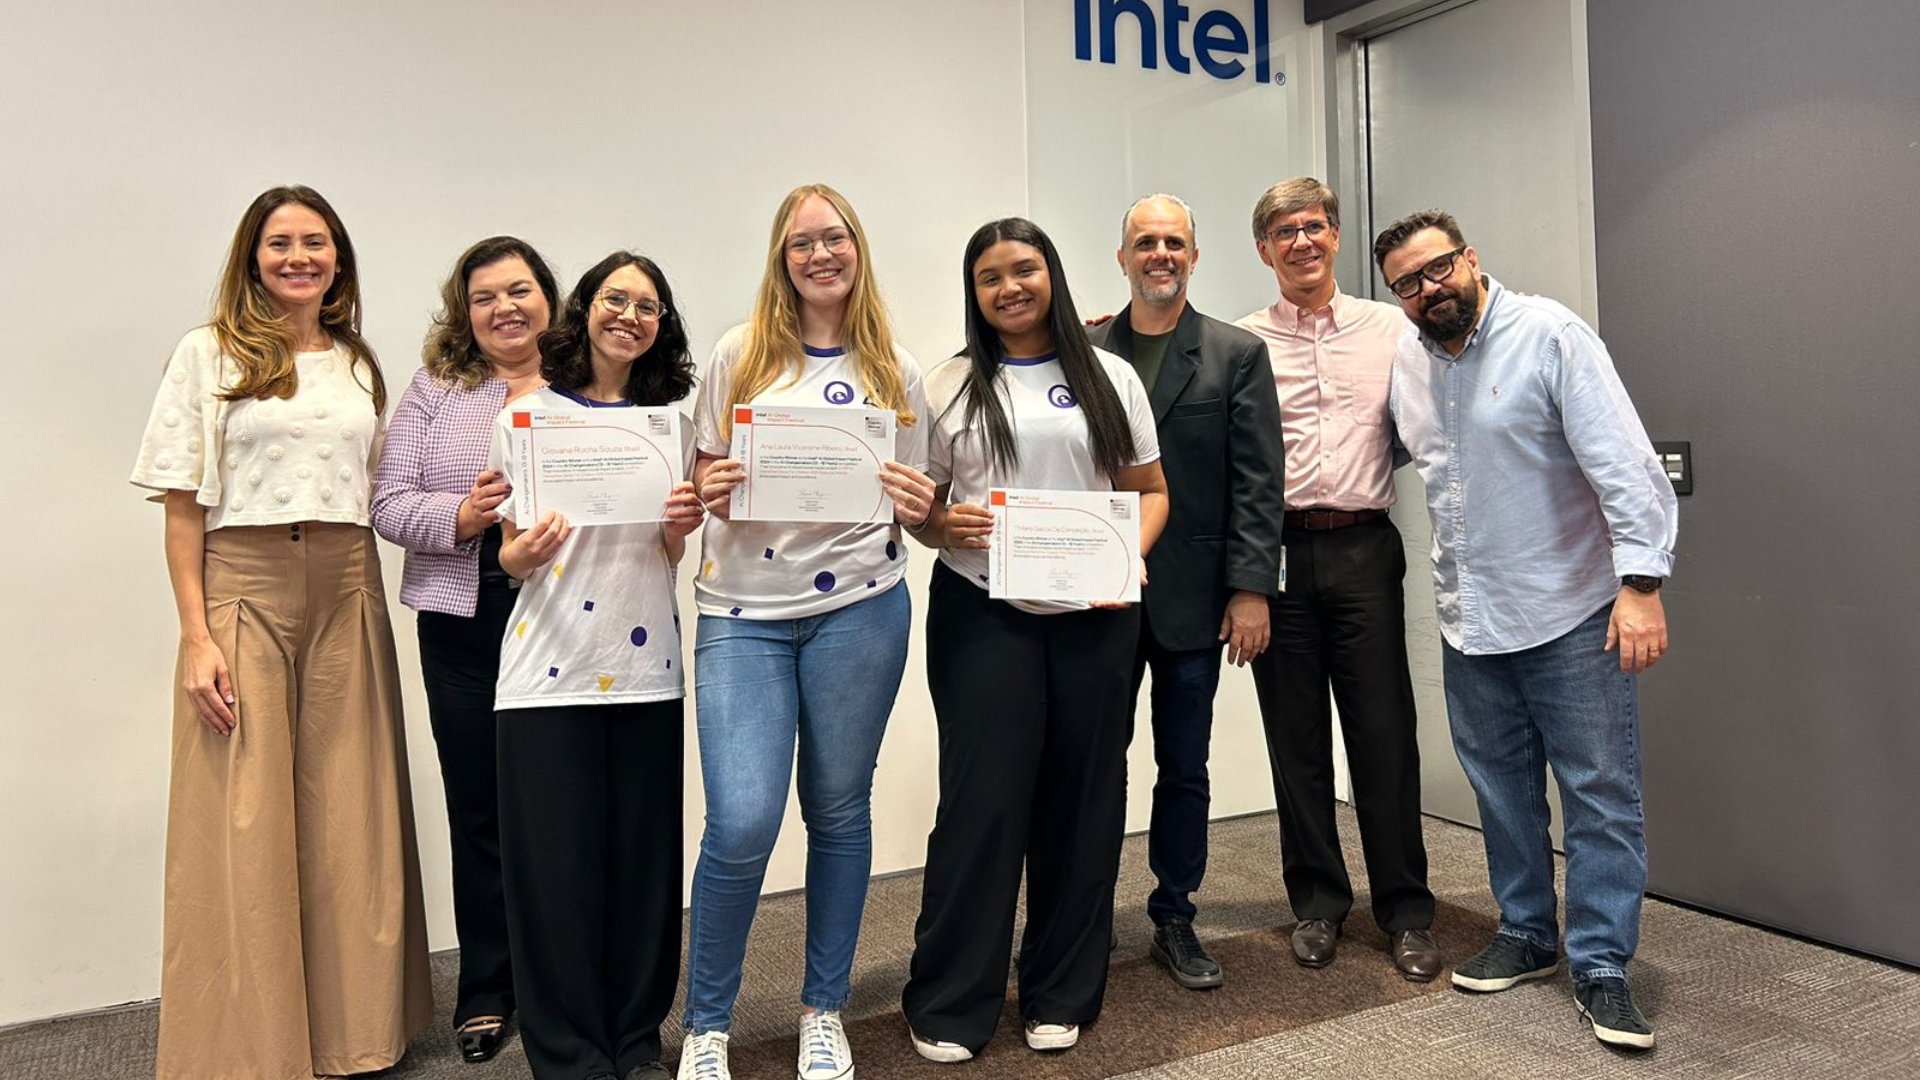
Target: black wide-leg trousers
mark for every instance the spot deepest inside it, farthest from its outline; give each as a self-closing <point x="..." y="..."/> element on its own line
<point x="1341" y="623"/>
<point x="459" y="665"/>
<point x="1032" y="715"/>
<point x="590" y="835"/>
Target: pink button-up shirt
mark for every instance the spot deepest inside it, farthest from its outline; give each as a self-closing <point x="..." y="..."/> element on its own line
<point x="1331" y="369"/>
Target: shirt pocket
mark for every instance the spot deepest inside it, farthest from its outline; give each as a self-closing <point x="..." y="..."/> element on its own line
<point x="1362" y="396"/>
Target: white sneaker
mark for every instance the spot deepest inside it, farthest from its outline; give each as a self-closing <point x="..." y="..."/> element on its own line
<point x="704" y="1057"/>
<point x="1052" y="1036"/>
<point x="934" y="1050"/>
<point x="824" y="1053"/>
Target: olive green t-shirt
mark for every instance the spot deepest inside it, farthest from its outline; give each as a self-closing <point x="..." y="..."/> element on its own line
<point x="1148" y="351"/>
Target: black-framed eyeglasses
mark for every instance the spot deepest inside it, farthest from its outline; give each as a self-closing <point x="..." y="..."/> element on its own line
<point x="618" y="302"/>
<point x="800" y="248"/>
<point x="1284" y="234"/>
<point x="1407" y="286"/>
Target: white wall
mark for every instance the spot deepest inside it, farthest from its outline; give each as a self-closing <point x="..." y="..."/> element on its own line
<point x="135" y="138"/>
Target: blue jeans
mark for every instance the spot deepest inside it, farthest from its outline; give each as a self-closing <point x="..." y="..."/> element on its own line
<point x="826" y="682"/>
<point x="1182" y="715"/>
<point x="1565" y="704"/>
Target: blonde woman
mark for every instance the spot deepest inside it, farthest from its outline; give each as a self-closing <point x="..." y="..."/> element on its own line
<point x="295" y="939"/>
<point x="802" y="635"/>
<point x="435" y="496"/>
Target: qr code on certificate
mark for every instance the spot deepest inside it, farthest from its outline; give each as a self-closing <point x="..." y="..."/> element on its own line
<point x="1120" y="509"/>
<point x="658" y="425"/>
<point x="876" y="427"/>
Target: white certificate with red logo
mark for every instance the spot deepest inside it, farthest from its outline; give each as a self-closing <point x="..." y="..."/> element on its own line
<point x="1069" y="546"/>
<point x="811" y="463"/>
<point x="595" y="466"/>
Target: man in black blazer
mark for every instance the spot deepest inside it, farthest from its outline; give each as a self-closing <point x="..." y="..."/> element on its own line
<point x="1217" y="563"/>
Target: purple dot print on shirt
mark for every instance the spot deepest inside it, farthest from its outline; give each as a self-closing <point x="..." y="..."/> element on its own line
<point x="823" y="581"/>
<point x="639" y="636"/>
<point x="893" y="551"/>
<point x="735" y="611"/>
<point x="553" y="673"/>
<point x="839" y="393"/>
<point x="767" y="554"/>
<point x="588" y="606"/>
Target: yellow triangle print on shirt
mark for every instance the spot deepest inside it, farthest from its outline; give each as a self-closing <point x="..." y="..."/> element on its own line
<point x="605" y="681"/>
<point x="706" y="571"/>
<point x="521" y="630"/>
<point x="559" y="569"/>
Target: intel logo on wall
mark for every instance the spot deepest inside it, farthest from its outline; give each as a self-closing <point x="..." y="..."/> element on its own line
<point x="1219" y="42"/>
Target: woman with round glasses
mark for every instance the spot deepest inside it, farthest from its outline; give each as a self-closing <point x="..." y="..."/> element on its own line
<point x="295" y="938"/>
<point x="803" y="630"/>
<point x="435" y="496"/>
<point x="589" y="706"/>
<point x="1032" y="698"/>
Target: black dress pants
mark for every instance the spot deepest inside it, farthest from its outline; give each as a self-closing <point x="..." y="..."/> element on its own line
<point x="590" y="840"/>
<point x="1341" y="622"/>
<point x="460" y="663"/>
<point x="1032" y="714"/>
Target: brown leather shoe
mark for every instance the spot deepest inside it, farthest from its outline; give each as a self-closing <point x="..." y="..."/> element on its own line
<point x="1314" y="941"/>
<point x="1416" y="954"/>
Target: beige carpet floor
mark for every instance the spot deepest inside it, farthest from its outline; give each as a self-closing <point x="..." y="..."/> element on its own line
<point x="1728" y="1000"/>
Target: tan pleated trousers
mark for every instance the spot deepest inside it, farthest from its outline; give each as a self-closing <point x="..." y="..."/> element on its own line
<point x="295" y="936"/>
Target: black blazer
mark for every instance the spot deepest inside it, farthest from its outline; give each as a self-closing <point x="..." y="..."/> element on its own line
<point x="1218" y="416"/>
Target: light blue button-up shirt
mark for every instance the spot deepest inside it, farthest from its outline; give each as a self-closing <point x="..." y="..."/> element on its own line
<point x="1542" y="485"/>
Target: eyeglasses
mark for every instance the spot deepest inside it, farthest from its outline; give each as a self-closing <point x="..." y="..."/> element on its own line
<point x="617" y="303"/>
<point x="1284" y="234"/>
<point x="1407" y="286"/>
<point x="837" y="242"/>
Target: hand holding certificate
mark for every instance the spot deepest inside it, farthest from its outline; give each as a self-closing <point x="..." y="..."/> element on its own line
<point x="596" y="466"/>
<point x="815" y="463"/>
<point x="1072" y="546"/>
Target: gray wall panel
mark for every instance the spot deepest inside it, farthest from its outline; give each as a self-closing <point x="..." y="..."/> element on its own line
<point x="1757" y="217"/>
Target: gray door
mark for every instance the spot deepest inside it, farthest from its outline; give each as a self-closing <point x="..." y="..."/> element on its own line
<point x="1479" y="111"/>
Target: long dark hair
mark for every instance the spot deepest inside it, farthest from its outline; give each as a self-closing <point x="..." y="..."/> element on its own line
<point x="1107" y="426"/>
<point x="450" y="352"/>
<point x="660" y="376"/>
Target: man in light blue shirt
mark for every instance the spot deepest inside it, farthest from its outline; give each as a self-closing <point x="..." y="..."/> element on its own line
<point x="1553" y="529"/>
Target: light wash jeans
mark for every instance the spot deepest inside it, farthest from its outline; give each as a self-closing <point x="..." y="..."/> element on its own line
<point x="1564" y="704"/>
<point x="826" y="682"/>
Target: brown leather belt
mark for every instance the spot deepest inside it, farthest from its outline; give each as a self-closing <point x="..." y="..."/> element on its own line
<point x="1322" y="520"/>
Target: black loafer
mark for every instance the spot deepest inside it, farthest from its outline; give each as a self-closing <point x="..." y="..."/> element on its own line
<point x="480" y="1038"/>
<point x="1314" y="941"/>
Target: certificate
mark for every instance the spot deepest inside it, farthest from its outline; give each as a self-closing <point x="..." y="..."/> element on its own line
<point x="1064" y="545"/>
<point x="811" y="463"/>
<point x="596" y="466"/>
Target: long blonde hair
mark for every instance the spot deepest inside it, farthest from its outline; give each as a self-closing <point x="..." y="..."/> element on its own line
<point x="256" y="337"/>
<point x="773" y="347"/>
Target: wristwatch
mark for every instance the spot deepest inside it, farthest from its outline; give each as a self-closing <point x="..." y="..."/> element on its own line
<point x="1642" y="582"/>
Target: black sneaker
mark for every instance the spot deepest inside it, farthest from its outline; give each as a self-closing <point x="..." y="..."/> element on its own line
<point x="1177" y="949"/>
<point x="1506" y="961"/>
<point x="1608" y="1005"/>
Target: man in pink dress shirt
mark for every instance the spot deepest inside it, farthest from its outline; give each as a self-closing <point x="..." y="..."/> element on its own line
<point x="1338" y="622"/>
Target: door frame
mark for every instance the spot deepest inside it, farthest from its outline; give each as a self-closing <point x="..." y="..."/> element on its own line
<point x="1339" y="47"/>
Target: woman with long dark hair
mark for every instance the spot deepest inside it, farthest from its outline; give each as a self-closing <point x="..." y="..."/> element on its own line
<point x="1031" y="698"/>
<point x="295" y="938"/>
<point x="434" y="495"/>
<point x="589" y="711"/>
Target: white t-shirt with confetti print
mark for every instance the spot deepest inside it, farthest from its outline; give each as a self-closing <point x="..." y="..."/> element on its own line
<point x="599" y="624"/>
<point x="783" y="570"/>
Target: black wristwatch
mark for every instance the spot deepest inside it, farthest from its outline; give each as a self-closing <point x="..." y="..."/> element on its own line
<point x="1642" y="582"/>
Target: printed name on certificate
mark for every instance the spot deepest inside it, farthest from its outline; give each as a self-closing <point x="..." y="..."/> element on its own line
<point x="596" y="466"/>
<point x="1068" y="546"/>
<point x="811" y="463"/>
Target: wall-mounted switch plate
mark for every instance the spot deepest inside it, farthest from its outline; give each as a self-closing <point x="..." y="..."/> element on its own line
<point x="1677" y="459"/>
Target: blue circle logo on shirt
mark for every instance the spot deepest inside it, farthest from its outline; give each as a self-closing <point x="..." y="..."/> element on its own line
<point x="1061" y="396"/>
<point x="839" y="393"/>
